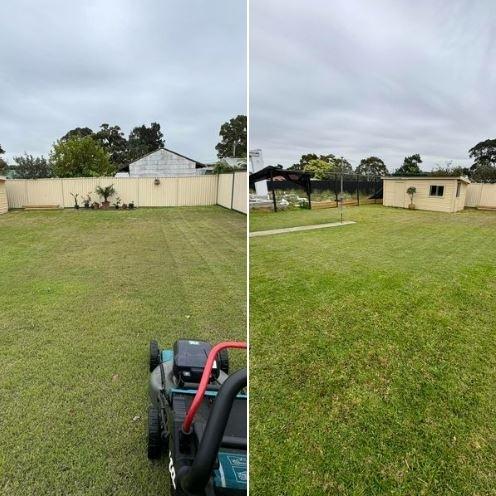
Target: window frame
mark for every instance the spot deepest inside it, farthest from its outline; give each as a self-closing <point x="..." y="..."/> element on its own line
<point x="437" y="188"/>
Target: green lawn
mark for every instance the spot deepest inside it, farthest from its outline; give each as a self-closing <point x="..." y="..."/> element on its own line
<point x="373" y="354"/>
<point x="82" y="294"/>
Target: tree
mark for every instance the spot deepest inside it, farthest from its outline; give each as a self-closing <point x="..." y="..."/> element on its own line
<point x="449" y="170"/>
<point x="233" y="138"/>
<point x="29" y="167"/>
<point x="112" y="140"/>
<point x="304" y="160"/>
<point x="410" y="166"/>
<point x="3" y="165"/>
<point x="484" y="173"/>
<point x="143" y="140"/>
<point x="484" y="166"/>
<point x="372" y="166"/>
<point x="319" y="169"/>
<point x="78" y="132"/>
<point x="80" y="157"/>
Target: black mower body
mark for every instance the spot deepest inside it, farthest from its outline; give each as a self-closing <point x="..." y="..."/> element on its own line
<point x="211" y="458"/>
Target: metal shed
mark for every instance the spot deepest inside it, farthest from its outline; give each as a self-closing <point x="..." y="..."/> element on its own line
<point x="442" y="194"/>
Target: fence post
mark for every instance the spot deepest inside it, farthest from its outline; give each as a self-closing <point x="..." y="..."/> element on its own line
<point x="232" y="190"/>
<point x="358" y="189"/>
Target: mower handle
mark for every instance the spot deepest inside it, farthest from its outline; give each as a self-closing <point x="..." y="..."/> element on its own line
<point x="195" y="404"/>
<point x="193" y="479"/>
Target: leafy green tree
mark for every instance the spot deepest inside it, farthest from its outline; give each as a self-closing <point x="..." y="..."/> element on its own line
<point x="143" y="140"/>
<point x="335" y="164"/>
<point x="449" y="170"/>
<point x="483" y="173"/>
<point x="372" y="166"/>
<point x="78" y="132"/>
<point x="112" y="140"/>
<point x="3" y="165"/>
<point x="410" y="166"/>
<point x="484" y="166"/>
<point x="319" y="169"/>
<point x="233" y="141"/>
<point x="80" y="157"/>
<point x="29" y="167"/>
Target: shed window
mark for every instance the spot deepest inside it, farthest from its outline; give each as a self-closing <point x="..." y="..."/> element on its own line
<point x="458" y="184"/>
<point x="437" y="190"/>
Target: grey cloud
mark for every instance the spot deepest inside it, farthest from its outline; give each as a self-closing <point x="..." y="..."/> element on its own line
<point x="359" y="78"/>
<point x="67" y="64"/>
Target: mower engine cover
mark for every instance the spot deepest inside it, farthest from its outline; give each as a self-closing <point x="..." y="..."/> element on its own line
<point x="189" y="360"/>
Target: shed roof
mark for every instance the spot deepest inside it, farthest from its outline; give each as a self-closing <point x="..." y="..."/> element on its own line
<point x="125" y="168"/>
<point x="428" y="178"/>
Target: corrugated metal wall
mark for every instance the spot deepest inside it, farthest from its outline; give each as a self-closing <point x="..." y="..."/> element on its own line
<point x="171" y="192"/>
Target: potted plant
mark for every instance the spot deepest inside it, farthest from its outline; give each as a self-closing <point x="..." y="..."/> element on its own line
<point x="105" y="193"/>
<point x="130" y="205"/>
<point x="75" y="196"/>
<point x="117" y="203"/>
<point x="87" y="201"/>
<point x="411" y="191"/>
<point x="124" y="206"/>
<point x="95" y="205"/>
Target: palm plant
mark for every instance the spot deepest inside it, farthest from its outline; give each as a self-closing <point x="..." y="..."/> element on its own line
<point x="105" y="192"/>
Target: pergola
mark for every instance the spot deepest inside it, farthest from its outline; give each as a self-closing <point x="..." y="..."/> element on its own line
<point x="271" y="173"/>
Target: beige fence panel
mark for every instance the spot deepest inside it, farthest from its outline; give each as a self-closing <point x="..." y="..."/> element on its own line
<point x="473" y="195"/>
<point x="481" y="195"/>
<point x="169" y="192"/>
<point x="224" y="192"/>
<point x="16" y="193"/>
<point x="157" y="195"/>
<point x="488" y="196"/>
<point x="200" y="192"/>
<point x="240" y="192"/>
<point x="45" y="192"/>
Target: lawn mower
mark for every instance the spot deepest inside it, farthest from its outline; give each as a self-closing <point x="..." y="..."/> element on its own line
<point x="198" y="415"/>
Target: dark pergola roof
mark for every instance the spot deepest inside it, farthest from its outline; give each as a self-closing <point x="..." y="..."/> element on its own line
<point x="277" y="174"/>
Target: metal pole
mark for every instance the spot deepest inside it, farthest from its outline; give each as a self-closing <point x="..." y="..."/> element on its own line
<point x="342" y="192"/>
<point x="358" y="190"/>
<point x="309" y="188"/>
<point x="273" y="191"/>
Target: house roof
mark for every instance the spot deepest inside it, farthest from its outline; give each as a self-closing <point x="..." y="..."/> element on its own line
<point x="427" y="178"/>
<point x="125" y="168"/>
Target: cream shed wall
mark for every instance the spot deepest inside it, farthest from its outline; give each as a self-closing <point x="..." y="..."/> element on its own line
<point x="3" y="197"/>
<point x="395" y="195"/>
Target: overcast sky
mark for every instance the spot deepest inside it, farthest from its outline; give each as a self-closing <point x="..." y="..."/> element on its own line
<point x="359" y="78"/>
<point x="65" y="64"/>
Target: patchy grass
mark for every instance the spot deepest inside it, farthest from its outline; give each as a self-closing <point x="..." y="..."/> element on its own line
<point x="82" y="295"/>
<point x="373" y="354"/>
<point x="261" y="220"/>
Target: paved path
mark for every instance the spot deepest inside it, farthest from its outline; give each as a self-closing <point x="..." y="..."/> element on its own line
<point x="300" y="228"/>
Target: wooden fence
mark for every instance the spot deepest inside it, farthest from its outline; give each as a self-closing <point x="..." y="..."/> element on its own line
<point x="481" y="195"/>
<point x="224" y="189"/>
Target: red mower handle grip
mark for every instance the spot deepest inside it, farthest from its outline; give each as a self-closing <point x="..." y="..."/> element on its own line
<point x="195" y="404"/>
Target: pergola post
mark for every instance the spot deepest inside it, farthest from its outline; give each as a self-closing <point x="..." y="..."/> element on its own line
<point x="273" y="190"/>
<point x="309" y="189"/>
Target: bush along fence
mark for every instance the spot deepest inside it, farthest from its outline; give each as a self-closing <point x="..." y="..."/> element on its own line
<point x="228" y="190"/>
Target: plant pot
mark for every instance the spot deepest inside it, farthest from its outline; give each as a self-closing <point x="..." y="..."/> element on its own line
<point x="105" y="204"/>
<point x="411" y="206"/>
<point x="76" y="207"/>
